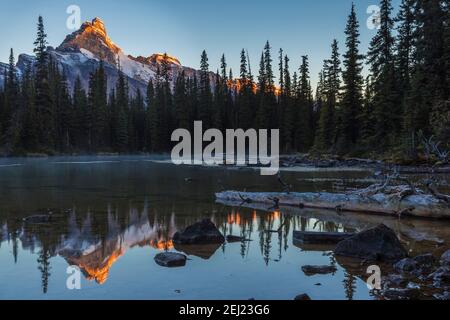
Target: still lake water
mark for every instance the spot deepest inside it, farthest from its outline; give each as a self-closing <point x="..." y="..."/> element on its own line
<point x="112" y="215"/>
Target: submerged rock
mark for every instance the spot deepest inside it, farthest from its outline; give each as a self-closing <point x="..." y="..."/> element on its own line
<point x="171" y="259"/>
<point x="302" y="297"/>
<point x="425" y="260"/>
<point x="376" y="244"/>
<point x="394" y="280"/>
<point x="441" y="276"/>
<point x="313" y="270"/>
<point x="231" y="238"/>
<point x="402" y="294"/>
<point x="308" y="237"/>
<point x="406" y="265"/>
<point x="203" y="232"/>
<point x="38" y="219"/>
<point x="203" y="251"/>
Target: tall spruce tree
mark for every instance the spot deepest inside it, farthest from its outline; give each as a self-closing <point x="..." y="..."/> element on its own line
<point x="218" y="109"/>
<point x="287" y="109"/>
<point x="404" y="66"/>
<point x="266" y="115"/>
<point x="440" y="109"/>
<point x="281" y="70"/>
<point x="193" y="97"/>
<point x="81" y="117"/>
<point x="329" y="97"/>
<point x="168" y="123"/>
<point x="205" y="98"/>
<point x="268" y="67"/>
<point x="182" y="110"/>
<point x="368" y="121"/>
<point x="387" y="109"/>
<point x="223" y="68"/>
<point x="43" y="103"/>
<point x="120" y="120"/>
<point x="98" y="108"/>
<point x="351" y="101"/>
<point x="228" y="104"/>
<point x="150" y="117"/>
<point x="245" y="112"/>
<point x="29" y="135"/>
<point x="63" y="112"/>
<point x="426" y="110"/>
<point x="405" y="46"/>
<point x="137" y="118"/>
<point x="11" y="112"/>
<point x="304" y="134"/>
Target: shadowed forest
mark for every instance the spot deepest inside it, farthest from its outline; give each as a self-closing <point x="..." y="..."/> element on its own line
<point x="396" y="112"/>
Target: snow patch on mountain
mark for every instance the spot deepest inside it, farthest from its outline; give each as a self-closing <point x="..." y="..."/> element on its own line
<point x="89" y="54"/>
<point x="134" y="69"/>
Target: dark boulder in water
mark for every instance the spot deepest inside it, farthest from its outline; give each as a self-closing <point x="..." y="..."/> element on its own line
<point x="231" y="238"/>
<point x="203" y="232"/>
<point x="375" y="244"/>
<point x="302" y="297"/>
<point x="313" y="270"/>
<point x="171" y="259"/>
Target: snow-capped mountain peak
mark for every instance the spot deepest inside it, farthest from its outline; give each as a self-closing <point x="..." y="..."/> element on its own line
<point x="79" y="55"/>
<point x="93" y="37"/>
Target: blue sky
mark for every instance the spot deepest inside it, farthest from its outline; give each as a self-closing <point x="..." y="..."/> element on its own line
<point x="184" y="28"/>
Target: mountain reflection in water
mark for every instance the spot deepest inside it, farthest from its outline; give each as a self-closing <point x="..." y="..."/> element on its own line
<point x="111" y="216"/>
<point x="94" y="243"/>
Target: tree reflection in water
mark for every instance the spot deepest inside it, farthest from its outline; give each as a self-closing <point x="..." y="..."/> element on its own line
<point x="94" y="241"/>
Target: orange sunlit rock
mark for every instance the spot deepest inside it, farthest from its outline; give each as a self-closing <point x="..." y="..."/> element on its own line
<point x="93" y="37"/>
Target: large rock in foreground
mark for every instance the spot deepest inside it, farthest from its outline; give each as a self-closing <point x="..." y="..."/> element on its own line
<point x="203" y="232"/>
<point x="376" y="244"/>
<point x="171" y="259"/>
<point x="302" y="297"/>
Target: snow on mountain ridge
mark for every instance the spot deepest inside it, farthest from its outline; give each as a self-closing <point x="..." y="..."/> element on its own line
<point x="82" y="51"/>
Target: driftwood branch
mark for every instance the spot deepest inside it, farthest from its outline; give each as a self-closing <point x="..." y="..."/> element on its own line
<point x="433" y="147"/>
<point x="245" y="200"/>
<point x="433" y="190"/>
<point x="286" y="187"/>
<point x="276" y="203"/>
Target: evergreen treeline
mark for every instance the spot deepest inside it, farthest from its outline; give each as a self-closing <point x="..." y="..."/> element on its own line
<point x="405" y="96"/>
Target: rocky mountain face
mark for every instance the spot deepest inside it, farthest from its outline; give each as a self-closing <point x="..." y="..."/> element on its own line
<point x="81" y="52"/>
<point x="92" y="36"/>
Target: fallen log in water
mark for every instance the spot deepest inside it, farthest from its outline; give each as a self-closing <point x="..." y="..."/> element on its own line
<point x="395" y="201"/>
<point x="416" y="229"/>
